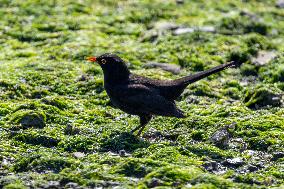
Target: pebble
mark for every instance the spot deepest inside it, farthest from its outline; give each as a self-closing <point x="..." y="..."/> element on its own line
<point x="222" y="136"/>
<point x="280" y="4"/>
<point x="180" y="31"/>
<point x="263" y="57"/>
<point x="52" y="184"/>
<point x="234" y="162"/>
<point x="277" y="155"/>
<point x="78" y="155"/>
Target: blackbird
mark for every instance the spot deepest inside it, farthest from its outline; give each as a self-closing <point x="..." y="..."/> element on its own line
<point x="143" y="96"/>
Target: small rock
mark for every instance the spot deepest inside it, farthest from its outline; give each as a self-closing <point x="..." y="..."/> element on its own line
<point x="188" y="185"/>
<point x="207" y="29"/>
<point x="159" y="29"/>
<point x="280" y="4"/>
<point x="165" y="26"/>
<point x="112" y="153"/>
<point x="211" y="166"/>
<point x="250" y="15"/>
<point x="263" y="97"/>
<point x="83" y="78"/>
<point x="237" y="144"/>
<point x="179" y="2"/>
<point x="52" y="185"/>
<point x="72" y="185"/>
<point x="221" y="137"/>
<point x="175" y="69"/>
<point x="70" y="130"/>
<point x="234" y="162"/>
<point x="33" y="119"/>
<point x="181" y="31"/>
<point x="277" y="155"/>
<point x="150" y="36"/>
<point x="110" y="184"/>
<point x="5" y="162"/>
<point x="122" y="153"/>
<point x="154" y="183"/>
<point x="152" y="134"/>
<point x="263" y="57"/>
<point x="250" y="152"/>
<point x="192" y="99"/>
<point x="252" y="168"/>
<point x="78" y="155"/>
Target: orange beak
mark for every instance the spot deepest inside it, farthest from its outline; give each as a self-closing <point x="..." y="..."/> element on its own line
<point x="92" y="59"/>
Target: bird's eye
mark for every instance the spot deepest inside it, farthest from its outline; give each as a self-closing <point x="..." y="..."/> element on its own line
<point x="103" y="61"/>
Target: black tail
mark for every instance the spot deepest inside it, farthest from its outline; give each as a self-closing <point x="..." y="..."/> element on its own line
<point x="193" y="78"/>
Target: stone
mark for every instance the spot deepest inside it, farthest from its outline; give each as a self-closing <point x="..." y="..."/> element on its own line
<point x="165" y="26"/>
<point x="52" y="185"/>
<point x="263" y="57"/>
<point x="72" y="185"/>
<point x="211" y="166"/>
<point x="221" y="137"/>
<point x="181" y="31"/>
<point x="280" y="4"/>
<point x="71" y="130"/>
<point x="122" y="153"/>
<point x="33" y="119"/>
<point x="277" y="155"/>
<point x="179" y="2"/>
<point x="158" y="29"/>
<point x="263" y="97"/>
<point x="154" y="183"/>
<point x="207" y="29"/>
<point x="78" y="155"/>
<point x="234" y="162"/>
<point x="237" y="144"/>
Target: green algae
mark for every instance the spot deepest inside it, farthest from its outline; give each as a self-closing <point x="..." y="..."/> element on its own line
<point x="53" y="104"/>
<point x="29" y="119"/>
<point x="262" y="97"/>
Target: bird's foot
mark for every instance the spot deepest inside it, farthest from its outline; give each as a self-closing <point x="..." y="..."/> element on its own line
<point x="140" y="130"/>
<point x="135" y="129"/>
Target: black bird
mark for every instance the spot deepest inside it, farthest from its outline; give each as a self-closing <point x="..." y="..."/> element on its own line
<point x="143" y="96"/>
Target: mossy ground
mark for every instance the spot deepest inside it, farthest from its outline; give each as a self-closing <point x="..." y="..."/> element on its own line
<point x="52" y="101"/>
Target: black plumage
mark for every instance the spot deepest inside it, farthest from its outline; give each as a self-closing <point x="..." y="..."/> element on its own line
<point x="142" y="96"/>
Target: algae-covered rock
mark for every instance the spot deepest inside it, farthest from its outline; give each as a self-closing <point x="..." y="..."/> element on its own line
<point x="123" y="141"/>
<point x="136" y="168"/>
<point x="29" y="118"/>
<point x="36" y="139"/>
<point x="78" y="144"/>
<point x="273" y="73"/>
<point x="55" y="101"/>
<point x="239" y="56"/>
<point x="42" y="162"/>
<point x="249" y="70"/>
<point x="242" y="24"/>
<point x="263" y="97"/>
<point x="222" y="136"/>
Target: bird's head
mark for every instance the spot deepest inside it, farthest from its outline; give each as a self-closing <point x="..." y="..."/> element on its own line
<point x="112" y="65"/>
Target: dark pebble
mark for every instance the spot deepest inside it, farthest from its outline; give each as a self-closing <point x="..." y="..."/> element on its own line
<point x="277" y="155"/>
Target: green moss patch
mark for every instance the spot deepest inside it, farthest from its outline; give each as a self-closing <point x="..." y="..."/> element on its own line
<point x="29" y="118"/>
<point x="263" y="97"/>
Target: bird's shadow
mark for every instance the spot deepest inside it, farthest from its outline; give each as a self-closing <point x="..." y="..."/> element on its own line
<point x="122" y="141"/>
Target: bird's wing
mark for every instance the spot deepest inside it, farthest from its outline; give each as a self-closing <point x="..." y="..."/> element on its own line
<point x="147" y="101"/>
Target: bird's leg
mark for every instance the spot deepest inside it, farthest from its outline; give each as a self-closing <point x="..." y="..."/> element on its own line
<point x="144" y="119"/>
<point x="135" y="129"/>
<point x="143" y="122"/>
